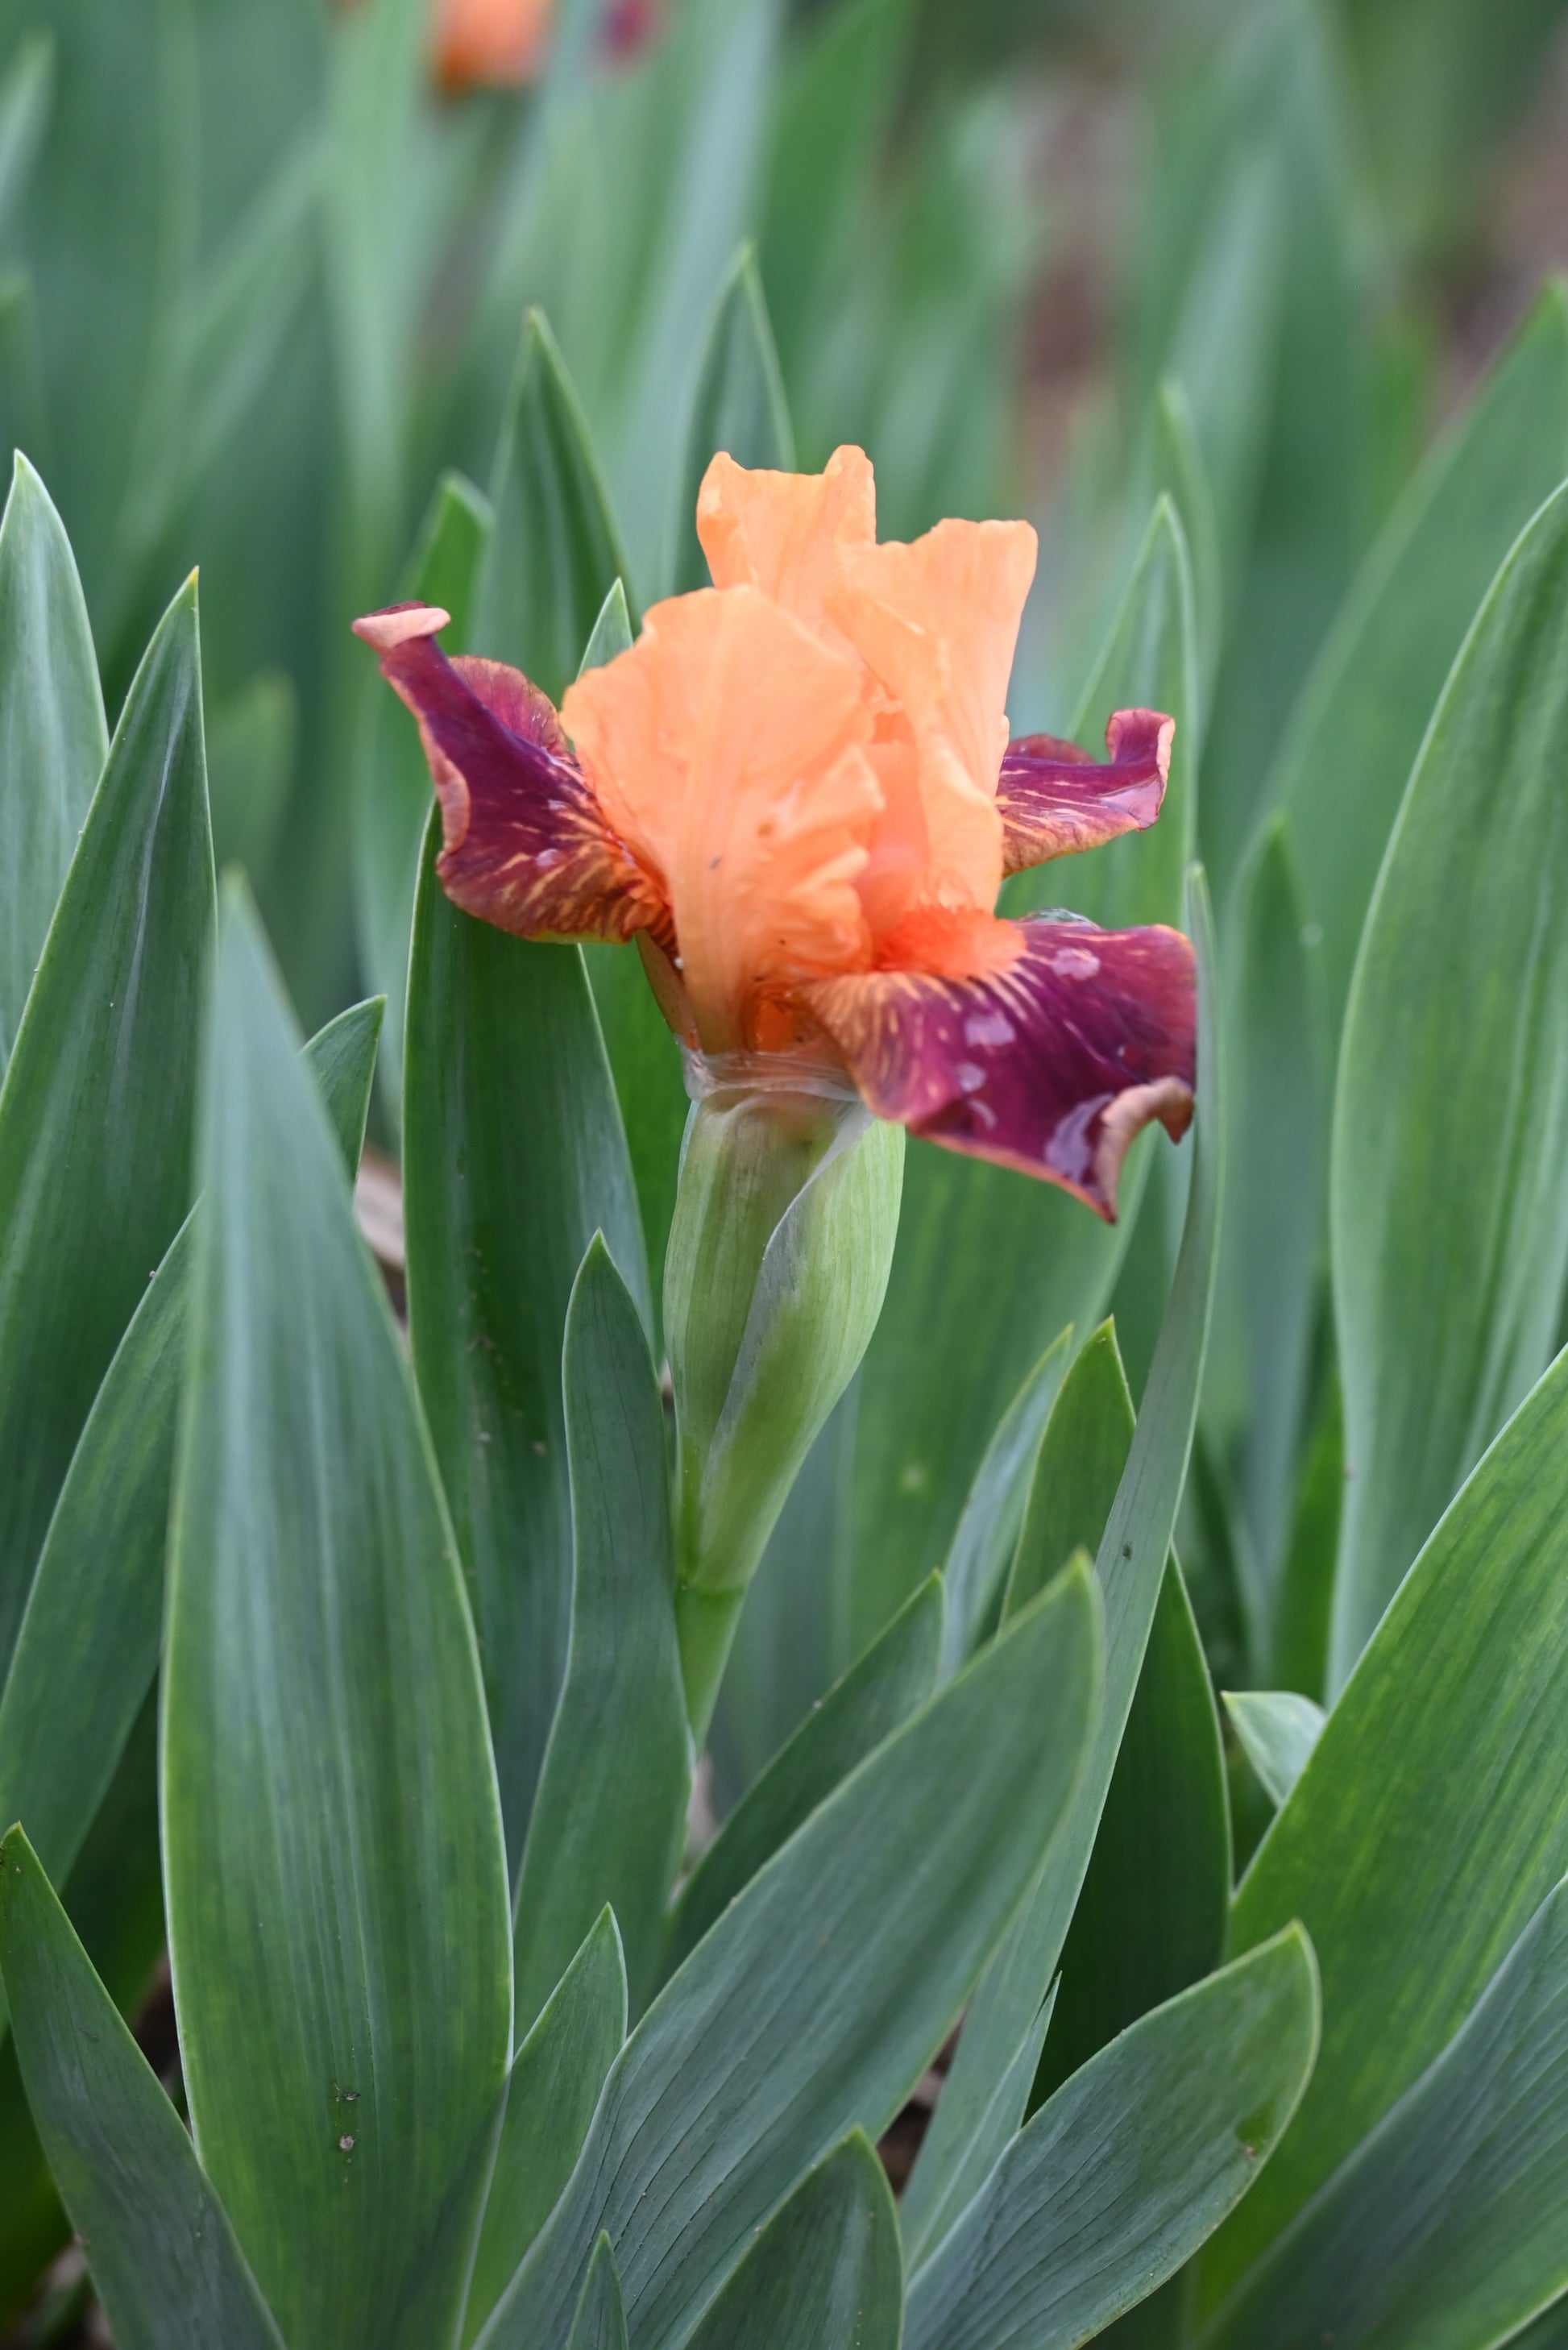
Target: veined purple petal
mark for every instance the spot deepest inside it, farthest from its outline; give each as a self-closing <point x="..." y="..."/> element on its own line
<point x="527" y="846"/>
<point x="1054" y="799"/>
<point x="1051" y="1065"/>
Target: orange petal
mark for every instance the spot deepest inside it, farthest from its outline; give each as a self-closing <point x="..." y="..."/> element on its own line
<point x="783" y="533"/>
<point x="727" y="750"/>
<point x="936" y="622"/>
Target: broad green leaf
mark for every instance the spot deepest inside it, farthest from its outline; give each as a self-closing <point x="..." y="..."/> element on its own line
<point x="991" y="1264"/>
<point x="87" y="1648"/>
<point x="513" y="1156"/>
<point x="610" y="1813"/>
<point x="555" y="2079"/>
<point x="1430" y="1821"/>
<point x="96" y="1110"/>
<point x="1278" y="1729"/>
<point x="1117" y="2182"/>
<point x="252" y="744"/>
<point x="1155" y="1903"/>
<point x="392" y="778"/>
<point x="980" y="1555"/>
<point x="1444" y="2230"/>
<point x="1150" y="1916"/>
<point x="738" y="406"/>
<point x="1129" y="1572"/>
<point x="813" y="2004"/>
<point x="600" y="2321"/>
<point x="53" y="738"/>
<point x="1456" y="1055"/>
<point x="825" y="2273"/>
<point x="1259" y="1362"/>
<point x="162" y="2253"/>
<point x="555" y="552"/>
<point x="333" y="1856"/>
<point x="896" y="1674"/>
<point x="1360" y="721"/>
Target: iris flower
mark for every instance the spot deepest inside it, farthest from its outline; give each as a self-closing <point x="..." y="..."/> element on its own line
<point x="796" y="792"/>
<point x="498" y="42"/>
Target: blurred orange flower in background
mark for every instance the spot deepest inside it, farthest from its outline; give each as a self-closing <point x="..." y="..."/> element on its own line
<point x="498" y="43"/>
<point x="491" y="41"/>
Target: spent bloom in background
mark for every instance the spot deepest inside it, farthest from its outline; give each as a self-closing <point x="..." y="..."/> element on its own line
<point x="797" y="792"/>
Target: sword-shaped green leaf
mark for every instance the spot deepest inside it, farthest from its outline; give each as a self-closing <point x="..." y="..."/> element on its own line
<point x="333" y="1857"/>
<point x="610" y="1813"/>
<point x="1358" y="723"/>
<point x="96" y="1110"/>
<point x="1431" y="1819"/>
<point x="53" y="737"/>
<point x="513" y="1156"/>
<point x="88" y="1648"/>
<point x="1449" y="1214"/>
<point x="600" y="2321"/>
<point x="1118" y="2179"/>
<point x="554" y="2086"/>
<point x="1278" y="1729"/>
<point x="985" y="1541"/>
<point x="162" y="2253"/>
<point x="555" y="552"/>
<point x="825" y="2273"/>
<point x="1444" y="2230"/>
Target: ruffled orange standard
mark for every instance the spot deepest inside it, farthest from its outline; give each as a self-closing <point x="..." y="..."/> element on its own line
<point x="797" y="790"/>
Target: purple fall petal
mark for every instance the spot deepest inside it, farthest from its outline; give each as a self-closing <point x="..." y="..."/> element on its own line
<point x="1051" y="1065"/>
<point x="525" y="843"/>
<point x="1056" y="800"/>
